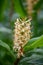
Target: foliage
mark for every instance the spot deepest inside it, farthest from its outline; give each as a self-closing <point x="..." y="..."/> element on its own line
<point x="33" y="53"/>
<point x="33" y="50"/>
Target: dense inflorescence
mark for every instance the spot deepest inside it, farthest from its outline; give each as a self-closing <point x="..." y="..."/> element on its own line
<point x="21" y="35"/>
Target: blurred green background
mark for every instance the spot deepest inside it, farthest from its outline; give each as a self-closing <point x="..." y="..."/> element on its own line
<point x="10" y="10"/>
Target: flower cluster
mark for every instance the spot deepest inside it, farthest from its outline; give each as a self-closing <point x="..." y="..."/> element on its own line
<point x="21" y="35"/>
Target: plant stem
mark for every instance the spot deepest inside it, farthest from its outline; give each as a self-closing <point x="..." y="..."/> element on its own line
<point x="17" y="61"/>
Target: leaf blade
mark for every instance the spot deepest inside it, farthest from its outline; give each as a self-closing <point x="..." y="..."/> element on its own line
<point x="37" y="43"/>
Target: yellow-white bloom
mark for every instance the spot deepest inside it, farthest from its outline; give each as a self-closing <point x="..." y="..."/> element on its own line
<point x="21" y="35"/>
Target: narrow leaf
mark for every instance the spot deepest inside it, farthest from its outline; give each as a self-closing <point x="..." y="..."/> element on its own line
<point x="37" y="43"/>
<point x="6" y="46"/>
<point x="19" y="8"/>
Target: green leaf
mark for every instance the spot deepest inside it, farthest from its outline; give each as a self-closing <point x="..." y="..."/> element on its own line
<point x="38" y="51"/>
<point x="32" y="60"/>
<point x="33" y="57"/>
<point x="19" y="8"/>
<point x="4" y="45"/>
<point x="37" y="43"/>
<point x="31" y="41"/>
